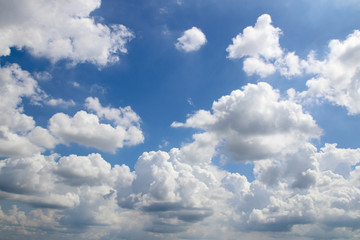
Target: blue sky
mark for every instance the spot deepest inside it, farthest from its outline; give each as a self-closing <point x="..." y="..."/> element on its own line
<point x="179" y="119"/>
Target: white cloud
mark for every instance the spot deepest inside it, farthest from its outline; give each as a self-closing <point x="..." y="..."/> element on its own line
<point x="192" y="40"/>
<point x="85" y="128"/>
<point x="261" y="40"/>
<point x="255" y="123"/>
<point x="258" y="66"/>
<point x="260" y="47"/>
<point x="14" y="85"/>
<point x="18" y="134"/>
<point x="83" y="170"/>
<point x="60" y="102"/>
<point x="61" y="30"/>
<point x="337" y="77"/>
<point x="121" y="116"/>
<point x="290" y="65"/>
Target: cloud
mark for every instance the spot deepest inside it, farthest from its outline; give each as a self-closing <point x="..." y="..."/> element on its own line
<point x="261" y="40"/>
<point x="192" y="40"/>
<point x="260" y="47"/>
<point x="83" y="170"/>
<point x="254" y="123"/>
<point x="258" y="66"/>
<point x="61" y="30"/>
<point x="85" y="128"/>
<point x="337" y="77"/>
<point x="18" y="134"/>
<point x="60" y="102"/>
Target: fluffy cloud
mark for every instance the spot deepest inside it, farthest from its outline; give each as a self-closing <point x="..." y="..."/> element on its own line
<point x="260" y="47"/>
<point x="85" y="129"/>
<point x="261" y="40"/>
<point x="18" y="134"/>
<point x="192" y="40"/>
<point x="258" y="66"/>
<point x="337" y="77"/>
<point x="255" y="123"/>
<point x="61" y="30"/>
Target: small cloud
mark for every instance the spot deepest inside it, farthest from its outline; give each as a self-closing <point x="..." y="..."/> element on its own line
<point x="190" y="102"/>
<point x="163" y="11"/>
<point x="75" y="84"/>
<point x="60" y="102"/>
<point x="164" y="143"/>
<point x="192" y="40"/>
<point x="42" y="76"/>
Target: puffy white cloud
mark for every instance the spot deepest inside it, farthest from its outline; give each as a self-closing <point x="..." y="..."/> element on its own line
<point x="18" y="134"/>
<point x="255" y="123"/>
<point x="84" y="128"/>
<point x="15" y="84"/>
<point x="260" y="40"/>
<point x="338" y="160"/>
<point x="192" y="40"/>
<point x="337" y="77"/>
<point x="61" y="30"/>
<point x="121" y="116"/>
<point x="290" y="65"/>
<point x="258" y="66"/>
<point x="260" y="47"/>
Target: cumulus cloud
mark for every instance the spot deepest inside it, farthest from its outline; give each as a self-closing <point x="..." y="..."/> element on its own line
<point x="260" y="40"/>
<point x="260" y="47"/>
<point x="255" y="123"/>
<point x="192" y="40"/>
<point x="337" y="77"/>
<point x="258" y="66"/>
<point x="61" y="30"/>
<point x="85" y="128"/>
<point x="18" y="134"/>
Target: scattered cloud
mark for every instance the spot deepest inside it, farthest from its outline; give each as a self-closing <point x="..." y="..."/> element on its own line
<point x="192" y="40"/>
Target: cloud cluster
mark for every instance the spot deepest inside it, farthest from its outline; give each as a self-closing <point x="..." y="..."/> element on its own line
<point x="293" y="194"/>
<point x="192" y="40"/>
<point x="19" y="135"/>
<point x="254" y="123"/>
<point x="61" y="30"/>
<point x="335" y="78"/>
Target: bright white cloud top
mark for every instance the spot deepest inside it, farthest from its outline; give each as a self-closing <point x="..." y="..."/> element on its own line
<point x="95" y="149"/>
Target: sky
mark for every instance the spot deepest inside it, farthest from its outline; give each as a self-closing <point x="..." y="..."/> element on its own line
<point x="179" y="119"/>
